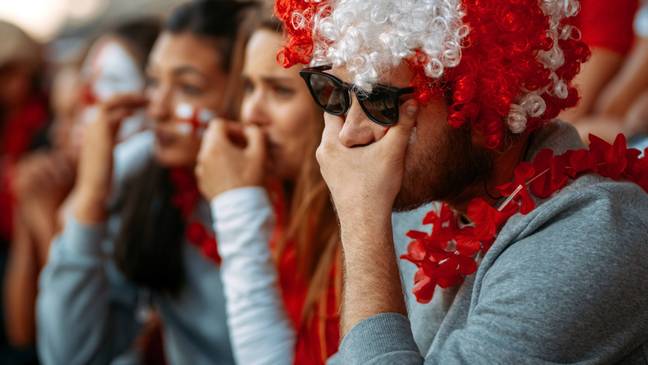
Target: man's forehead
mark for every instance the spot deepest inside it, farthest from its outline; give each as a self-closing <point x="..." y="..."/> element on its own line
<point x="397" y="76"/>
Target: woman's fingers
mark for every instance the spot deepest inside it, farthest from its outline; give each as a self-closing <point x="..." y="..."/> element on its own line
<point x="125" y="101"/>
<point x="256" y="142"/>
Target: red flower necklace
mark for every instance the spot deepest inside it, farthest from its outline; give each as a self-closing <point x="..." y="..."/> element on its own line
<point x="185" y="198"/>
<point x="449" y="253"/>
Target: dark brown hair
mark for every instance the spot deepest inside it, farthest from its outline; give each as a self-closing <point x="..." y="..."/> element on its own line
<point x="148" y="249"/>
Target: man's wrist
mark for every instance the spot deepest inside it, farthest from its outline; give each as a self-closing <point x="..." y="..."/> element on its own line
<point x="362" y="222"/>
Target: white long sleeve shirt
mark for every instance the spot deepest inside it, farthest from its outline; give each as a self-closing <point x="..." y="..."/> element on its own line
<point x="260" y="330"/>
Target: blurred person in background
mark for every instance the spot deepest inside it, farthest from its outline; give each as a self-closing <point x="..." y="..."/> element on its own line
<point x="23" y="120"/>
<point x="136" y="241"/>
<point x="606" y="27"/>
<point x="276" y="227"/>
<point x="623" y="104"/>
<point x="43" y="179"/>
<point x="614" y="81"/>
<point x="23" y="109"/>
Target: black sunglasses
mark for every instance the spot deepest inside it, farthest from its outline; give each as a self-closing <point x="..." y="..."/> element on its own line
<point x="334" y="96"/>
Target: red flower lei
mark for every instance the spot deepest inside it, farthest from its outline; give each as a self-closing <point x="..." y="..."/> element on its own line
<point x="186" y="198"/>
<point x="449" y="253"/>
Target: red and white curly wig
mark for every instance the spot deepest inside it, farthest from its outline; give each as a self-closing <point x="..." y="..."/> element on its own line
<point x="507" y="64"/>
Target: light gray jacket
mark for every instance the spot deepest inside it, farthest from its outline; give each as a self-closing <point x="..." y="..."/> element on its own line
<point x="88" y="313"/>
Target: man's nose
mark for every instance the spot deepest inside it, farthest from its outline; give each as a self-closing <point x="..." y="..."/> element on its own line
<point x="358" y="129"/>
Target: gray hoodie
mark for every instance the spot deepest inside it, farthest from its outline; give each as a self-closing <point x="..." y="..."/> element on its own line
<point x="567" y="283"/>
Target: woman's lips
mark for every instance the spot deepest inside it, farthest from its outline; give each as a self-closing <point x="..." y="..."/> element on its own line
<point x="165" y="138"/>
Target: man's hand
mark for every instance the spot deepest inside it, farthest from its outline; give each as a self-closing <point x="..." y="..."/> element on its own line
<point x="231" y="156"/>
<point x="364" y="182"/>
<point x="367" y="178"/>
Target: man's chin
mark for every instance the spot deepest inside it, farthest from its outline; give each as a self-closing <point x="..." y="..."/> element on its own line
<point x="407" y="200"/>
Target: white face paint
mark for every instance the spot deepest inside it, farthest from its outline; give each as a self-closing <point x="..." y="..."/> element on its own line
<point x="113" y="70"/>
<point x="192" y="119"/>
<point x="110" y="69"/>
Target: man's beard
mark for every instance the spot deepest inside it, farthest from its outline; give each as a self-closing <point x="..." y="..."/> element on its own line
<point x="444" y="170"/>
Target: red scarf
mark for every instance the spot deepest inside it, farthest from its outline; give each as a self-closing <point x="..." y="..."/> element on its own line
<point x="318" y="336"/>
<point x="186" y="198"/>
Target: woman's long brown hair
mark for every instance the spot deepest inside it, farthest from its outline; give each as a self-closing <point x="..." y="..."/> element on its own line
<point x="312" y="225"/>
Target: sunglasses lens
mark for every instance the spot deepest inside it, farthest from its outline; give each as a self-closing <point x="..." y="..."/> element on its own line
<point x="328" y="93"/>
<point x="381" y="106"/>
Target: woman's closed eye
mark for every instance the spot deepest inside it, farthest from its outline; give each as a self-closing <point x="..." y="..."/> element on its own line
<point x="248" y="86"/>
<point x="283" y="91"/>
<point x="280" y="89"/>
<point x="190" y="89"/>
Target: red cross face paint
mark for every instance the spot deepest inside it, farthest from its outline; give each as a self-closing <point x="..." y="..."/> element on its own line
<point x="192" y="120"/>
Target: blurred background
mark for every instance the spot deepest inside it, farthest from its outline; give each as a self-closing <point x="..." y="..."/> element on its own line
<point x="65" y="25"/>
<point x="50" y="79"/>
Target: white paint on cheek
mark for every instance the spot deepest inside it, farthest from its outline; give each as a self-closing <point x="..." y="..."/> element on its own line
<point x="185" y="112"/>
<point x="183" y="128"/>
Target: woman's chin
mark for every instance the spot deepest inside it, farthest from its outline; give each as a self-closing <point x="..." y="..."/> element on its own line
<point x="171" y="158"/>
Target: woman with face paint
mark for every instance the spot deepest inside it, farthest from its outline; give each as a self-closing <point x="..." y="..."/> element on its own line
<point x="281" y="275"/>
<point x="138" y="239"/>
<point x="115" y="65"/>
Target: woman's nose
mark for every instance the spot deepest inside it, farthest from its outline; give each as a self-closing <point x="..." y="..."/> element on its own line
<point x="160" y="108"/>
<point x="254" y="110"/>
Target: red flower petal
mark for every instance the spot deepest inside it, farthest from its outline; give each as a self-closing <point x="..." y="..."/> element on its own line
<point x="416" y="235"/>
<point x="467" y="266"/>
<point x="415" y="252"/>
<point x="468" y="246"/>
<point x="196" y="232"/>
<point x="424" y="287"/>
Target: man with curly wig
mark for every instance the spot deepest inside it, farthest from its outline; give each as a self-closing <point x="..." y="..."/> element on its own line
<point x="537" y="250"/>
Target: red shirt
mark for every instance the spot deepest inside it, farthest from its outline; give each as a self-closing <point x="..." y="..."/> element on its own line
<point x="318" y="337"/>
<point x="608" y="24"/>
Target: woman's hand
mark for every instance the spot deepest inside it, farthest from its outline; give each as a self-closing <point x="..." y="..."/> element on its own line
<point x="44" y="179"/>
<point x="231" y="156"/>
<point x="42" y="182"/>
<point x="96" y="160"/>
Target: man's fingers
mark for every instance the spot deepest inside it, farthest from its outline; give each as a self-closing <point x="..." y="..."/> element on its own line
<point x="400" y="133"/>
<point x="332" y="127"/>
